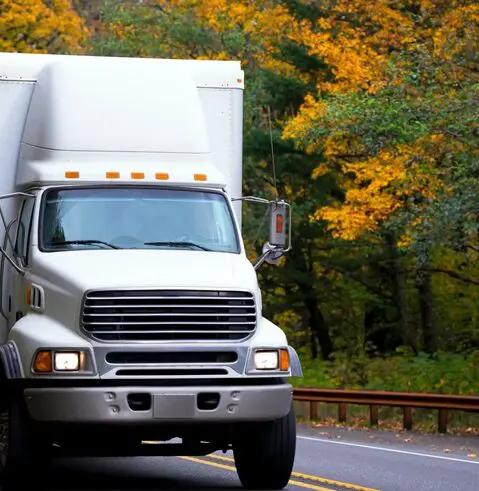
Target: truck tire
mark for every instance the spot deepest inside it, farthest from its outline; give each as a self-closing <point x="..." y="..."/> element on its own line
<point x="264" y="453"/>
<point x="24" y="451"/>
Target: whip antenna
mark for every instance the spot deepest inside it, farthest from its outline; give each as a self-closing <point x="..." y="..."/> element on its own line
<point x="275" y="184"/>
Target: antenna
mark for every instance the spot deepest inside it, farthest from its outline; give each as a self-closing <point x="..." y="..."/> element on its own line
<point x="272" y="152"/>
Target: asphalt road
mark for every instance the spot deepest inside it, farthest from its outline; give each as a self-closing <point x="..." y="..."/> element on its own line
<point x="336" y="460"/>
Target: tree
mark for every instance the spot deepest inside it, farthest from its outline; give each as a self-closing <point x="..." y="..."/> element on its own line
<point x="398" y="119"/>
<point x="37" y="26"/>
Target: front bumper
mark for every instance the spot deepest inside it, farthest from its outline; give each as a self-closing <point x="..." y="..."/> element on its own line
<point x="168" y="404"/>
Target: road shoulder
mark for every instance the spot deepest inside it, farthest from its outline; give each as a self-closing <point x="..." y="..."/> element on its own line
<point x="448" y="445"/>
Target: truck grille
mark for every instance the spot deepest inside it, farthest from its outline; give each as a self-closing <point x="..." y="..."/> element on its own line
<point x="170" y="315"/>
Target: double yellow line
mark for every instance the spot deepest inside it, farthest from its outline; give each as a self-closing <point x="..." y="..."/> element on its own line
<point x="292" y="482"/>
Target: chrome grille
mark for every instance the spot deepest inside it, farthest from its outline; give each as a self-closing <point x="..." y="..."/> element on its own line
<point x="170" y="315"/>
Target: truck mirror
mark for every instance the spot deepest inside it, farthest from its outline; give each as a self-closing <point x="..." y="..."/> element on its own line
<point x="280" y="227"/>
<point x="277" y="233"/>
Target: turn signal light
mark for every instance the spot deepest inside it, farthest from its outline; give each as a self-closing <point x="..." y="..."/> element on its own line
<point x="283" y="360"/>
<point x="43" y="362"/>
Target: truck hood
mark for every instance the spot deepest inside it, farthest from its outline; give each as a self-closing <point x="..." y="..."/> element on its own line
<point x="84" y="270"/>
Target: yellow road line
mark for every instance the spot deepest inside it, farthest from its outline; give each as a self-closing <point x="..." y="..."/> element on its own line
<point x="308" y="486"/>
<point x="332" y="482"/>
<point x="207" y="462"/>
<point x="231" y="468"/>
<point x="309" y="477"/>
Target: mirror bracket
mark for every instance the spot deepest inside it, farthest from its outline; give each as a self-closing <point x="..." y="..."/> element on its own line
<point x="271" y="255"/>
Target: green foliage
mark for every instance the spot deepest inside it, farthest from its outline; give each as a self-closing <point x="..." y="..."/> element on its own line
<point x="443" y="373"/>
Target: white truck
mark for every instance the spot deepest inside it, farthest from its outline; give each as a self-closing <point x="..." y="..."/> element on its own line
<point x="130" y="315"/>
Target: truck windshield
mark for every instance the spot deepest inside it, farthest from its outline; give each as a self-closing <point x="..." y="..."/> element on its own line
<point x="136" y="218"/>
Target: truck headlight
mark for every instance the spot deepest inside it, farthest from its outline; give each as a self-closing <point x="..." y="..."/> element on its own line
<point x="266" y="360"/>
<point x="58" y="361"/>
<point x="271" y="360"/>
<point x="69" y="362"/>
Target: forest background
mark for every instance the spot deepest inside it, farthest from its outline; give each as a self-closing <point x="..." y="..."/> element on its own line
<point x="374" y="109"/>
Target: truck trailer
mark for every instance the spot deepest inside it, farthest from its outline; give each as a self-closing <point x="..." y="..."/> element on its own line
<point x="131" y="318"/>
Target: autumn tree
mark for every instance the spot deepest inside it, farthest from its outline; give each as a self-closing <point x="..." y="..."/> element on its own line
<point x="399" y="116"/>
<point x="37" y="26"/>
<point x="397" y="122"/>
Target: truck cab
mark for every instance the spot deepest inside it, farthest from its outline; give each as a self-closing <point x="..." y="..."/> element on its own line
<point x="129" y="311"/>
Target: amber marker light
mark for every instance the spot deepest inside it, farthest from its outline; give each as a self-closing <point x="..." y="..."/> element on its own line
<point x="72" y="174"/>
<point x="43" y="362"/>
<point x="279" y="224"/>
<point x="112" y="175"/>
<point x="200" y="177"/>
<point x="283" y="360"/>
<point x="162" y="176"/>
<point x="29" y="296"/>
<point x="137" y="175"/>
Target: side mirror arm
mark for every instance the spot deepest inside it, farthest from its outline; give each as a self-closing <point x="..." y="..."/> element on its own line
<point x="3" y="250"/>
<point x="14" y="265"/>
<point x="270" y="255"/>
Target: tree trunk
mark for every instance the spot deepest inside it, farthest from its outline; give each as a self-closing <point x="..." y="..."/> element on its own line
<point x="319" y="330"/>
<point x="399" y="291"/>
<point x="429" y="333"/>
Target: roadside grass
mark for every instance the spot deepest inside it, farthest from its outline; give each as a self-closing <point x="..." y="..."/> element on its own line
<point x="444" y="373"/>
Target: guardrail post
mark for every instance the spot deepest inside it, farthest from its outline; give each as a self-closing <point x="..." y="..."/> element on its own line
<point x="443" y="403"/>
<point x="407" y="418"/>
<point x="373" y="415"/>
<point x="442" y="417"/>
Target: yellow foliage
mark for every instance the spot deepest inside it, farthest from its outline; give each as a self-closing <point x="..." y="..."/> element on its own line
<point x="356" y="40"/>
<point x="458" y="35"/>
<point x="379" y="186"/>
<point x="263" y="25"/>
<point x="37" y="26"/>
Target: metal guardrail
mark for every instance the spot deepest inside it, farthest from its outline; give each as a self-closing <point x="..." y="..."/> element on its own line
<point x="443" y="403"/>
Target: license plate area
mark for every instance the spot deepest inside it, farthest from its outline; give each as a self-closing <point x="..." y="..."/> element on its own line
<point x="174" y="406"/>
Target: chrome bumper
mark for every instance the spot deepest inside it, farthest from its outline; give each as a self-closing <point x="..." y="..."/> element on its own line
<point x="168" y="404"/>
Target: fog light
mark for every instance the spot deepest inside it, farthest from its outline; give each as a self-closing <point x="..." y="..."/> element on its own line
<point x="266" y="360"/>
<point x="67" y="361"/>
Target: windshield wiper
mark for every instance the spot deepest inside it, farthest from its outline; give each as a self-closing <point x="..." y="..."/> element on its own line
<point x="86" y="242"/>
<point x="178" y="244"/>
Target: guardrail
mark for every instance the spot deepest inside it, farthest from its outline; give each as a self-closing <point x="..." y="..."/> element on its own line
<point x="443" y="403"/>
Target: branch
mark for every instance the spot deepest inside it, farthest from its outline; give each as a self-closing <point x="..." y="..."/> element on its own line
<point x="472" y="247"/>
<point x="453" y="274"/>
<point x="380" y="292"/>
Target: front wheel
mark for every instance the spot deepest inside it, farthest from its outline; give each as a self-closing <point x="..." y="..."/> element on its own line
<point x="24" y="451"/>
<point x="264" y="453"/>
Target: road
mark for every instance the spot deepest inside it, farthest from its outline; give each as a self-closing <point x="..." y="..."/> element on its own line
<point x="337" y="460"/>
